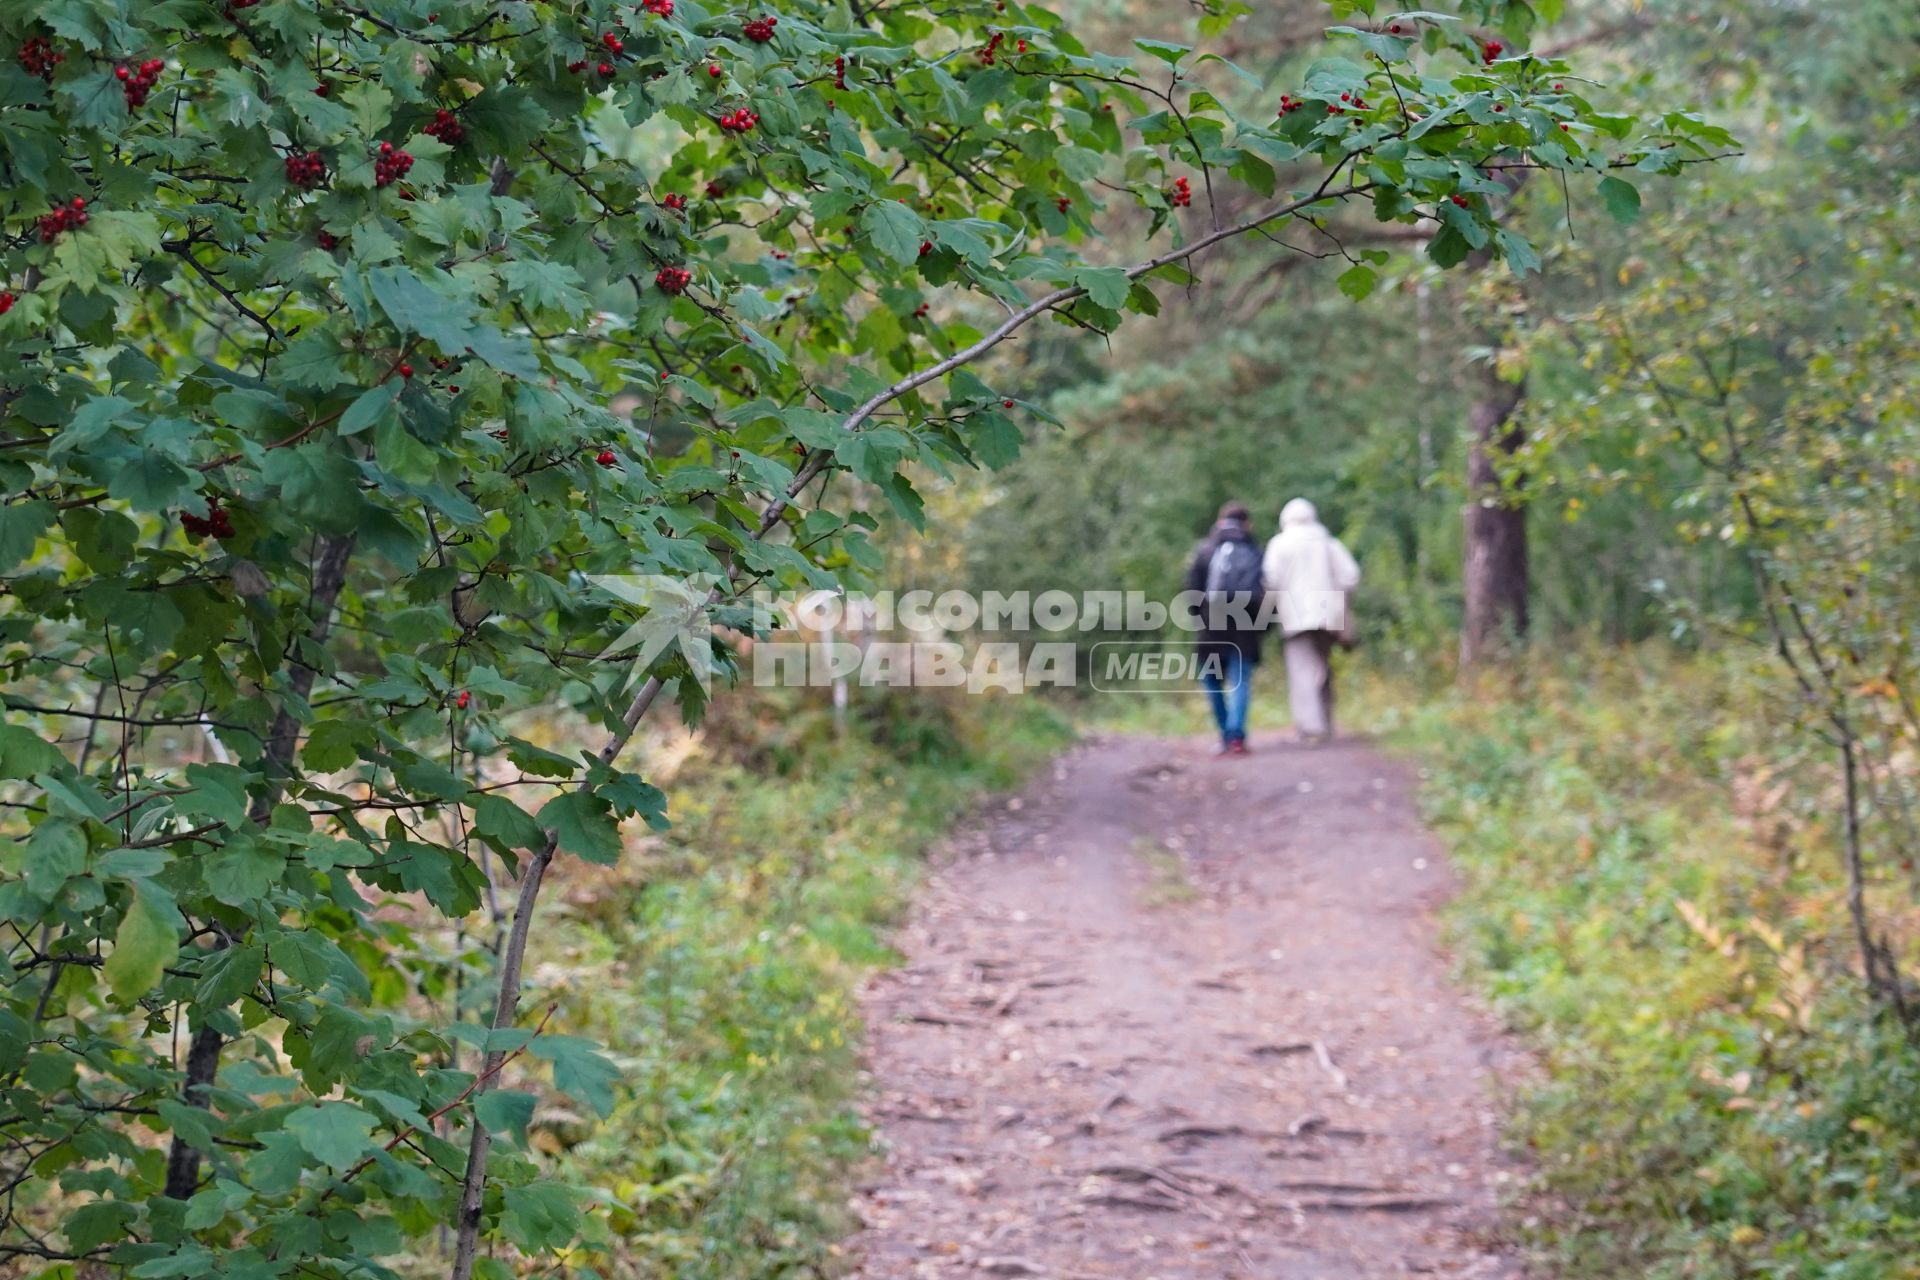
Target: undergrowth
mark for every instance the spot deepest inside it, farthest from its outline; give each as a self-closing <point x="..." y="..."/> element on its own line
<point x="1649" y="897"/>
<point x="719" y="964"/>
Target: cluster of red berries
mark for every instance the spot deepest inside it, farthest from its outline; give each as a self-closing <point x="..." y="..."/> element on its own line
<point x="391" y="166"/>
<point x="1491" y="50"/>
<point x="216" y="523"/>
<point x="1182" y="194"/>
<point x="6" y="302"/>
<point x="1019" y="46"/>
<point x="921" y="310"/>
<point x="673" y="200"/>
<point x="673" y="280"/>
<point x="739" y="120"/>
<point x="992" y="47"/>
<point x="464" y="698"/>
<point x="447" y="127"/>
<point x="138" y="82"/>
<point x="613" y="44"/>
<point x="1063" y="203"/>
<point x="306" y="170"/>
<point x="926" y="247"/>
<point x="606" y="458"/>
<point x="1459" y="200"/>
<point x="1289" y="103"/>
<point x="63" y="217"/>
<point x="38" y="58"/>
<point x="839" y="73"/>
<point x="659" y="8"/>
<point x="760" y="30"/>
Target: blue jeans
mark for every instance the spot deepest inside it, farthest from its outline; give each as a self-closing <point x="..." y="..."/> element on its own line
<point x="1230" y="690"/>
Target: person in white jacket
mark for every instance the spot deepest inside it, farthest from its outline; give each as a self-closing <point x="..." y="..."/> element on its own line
<point x="1313" y="576"/>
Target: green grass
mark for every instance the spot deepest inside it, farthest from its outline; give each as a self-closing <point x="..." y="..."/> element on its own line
<point x="721" y="972"/>
<point x="1717" y="1101"/>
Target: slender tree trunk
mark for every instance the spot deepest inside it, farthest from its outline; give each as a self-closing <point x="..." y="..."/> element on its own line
<point x="203" y="1052"/>
<point x="1496" y="543"/>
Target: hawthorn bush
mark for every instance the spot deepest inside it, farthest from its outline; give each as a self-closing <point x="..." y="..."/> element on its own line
<point x="344" y="342"/>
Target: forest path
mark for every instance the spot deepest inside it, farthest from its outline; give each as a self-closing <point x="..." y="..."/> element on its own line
<point x="1166" y="1016"/>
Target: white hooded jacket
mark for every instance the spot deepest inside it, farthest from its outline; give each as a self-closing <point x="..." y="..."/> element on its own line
<point x="1311" y="571"/>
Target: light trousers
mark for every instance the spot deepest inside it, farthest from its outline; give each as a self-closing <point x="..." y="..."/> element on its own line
<point x="1310" y="682"/>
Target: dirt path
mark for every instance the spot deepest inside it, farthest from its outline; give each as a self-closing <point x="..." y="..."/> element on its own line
<point x="1167" y="1017"/>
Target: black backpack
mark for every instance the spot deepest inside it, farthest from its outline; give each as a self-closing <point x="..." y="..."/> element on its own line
<point x="1234" y="570"/>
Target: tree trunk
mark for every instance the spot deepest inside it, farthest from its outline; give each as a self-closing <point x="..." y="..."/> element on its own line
<point x="1496" y="547"/>
<point x="203" y="1053"/>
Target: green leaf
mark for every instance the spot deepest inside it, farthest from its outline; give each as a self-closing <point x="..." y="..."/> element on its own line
<point x="506" y="1111"/>
<point x="372" y="405"/>
<point x="579" y="1069"/>
<point x="581" y="821"/>
<point x="1358" y="281"/>
<point x="1164" y="50"/>
<point x="1622" y="199"/>
<point x="895" y="230"/>
<point x="243" y="870"/>
<point x="499" y="818"/>
<point x="337" y="1134"/>
<point x="146" y="943"/>
<point x="21" y="524"/>
<point x="1106" y="286"/>
<point x="149" y="481"/>
<point x="317" y="484"/>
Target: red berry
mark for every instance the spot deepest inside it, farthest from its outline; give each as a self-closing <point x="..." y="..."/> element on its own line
<point x="121" y="73"/>
<point x="1006" y="404"/>
<point x="462" y="701"/>
<point x="306" y="170"/>
<point x="391" y="166"/>
<point x="404" y="370"/>
<point x="37" y="58"/>
<point x="1394" y="28"/>
<point x="446" y="127"/>
<point x="713" y="69"/>
<point x="673" y="280"/>
<point x="926" y="247"/>
<point x="606" y="458"/>
<point x="6" y="303"/>
<point x="324" y="88"/>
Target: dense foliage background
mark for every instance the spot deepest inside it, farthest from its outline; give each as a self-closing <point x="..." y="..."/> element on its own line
<point x="345" y="345"/>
